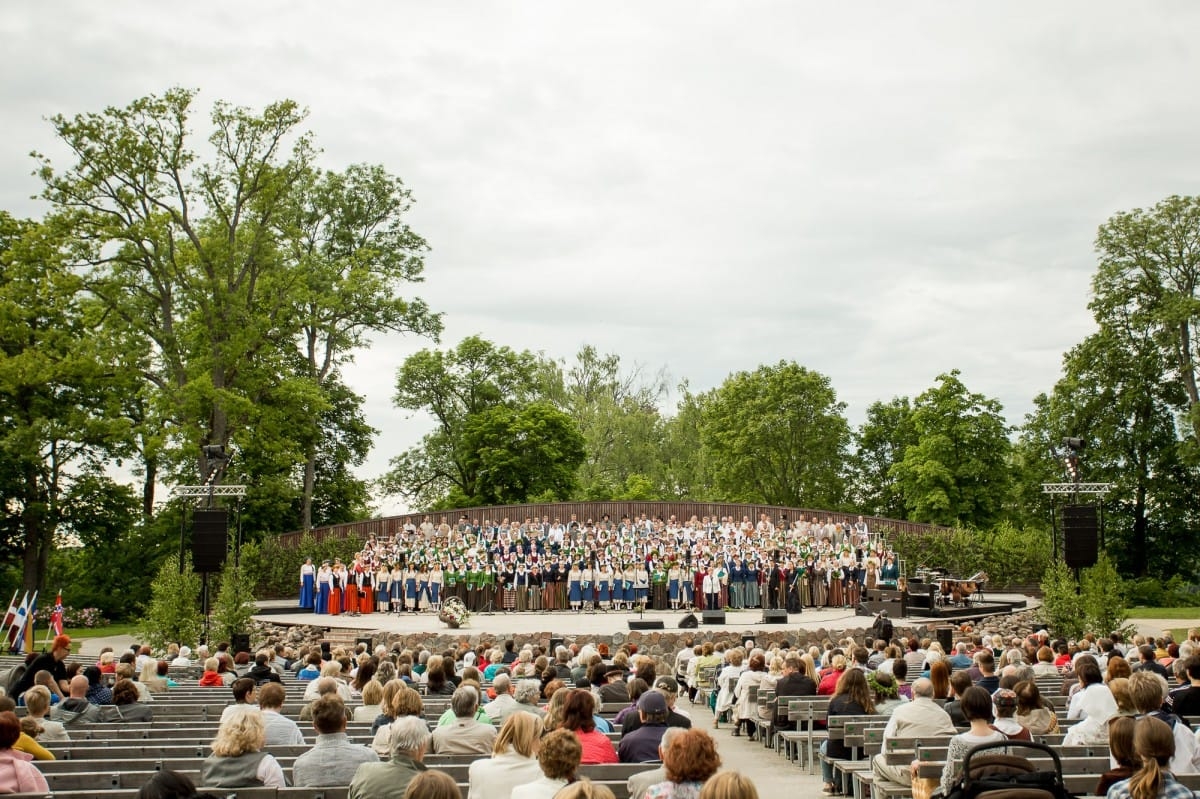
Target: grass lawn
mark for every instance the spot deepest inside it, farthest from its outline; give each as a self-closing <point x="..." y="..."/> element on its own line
<point x="80" y="634"/>
<point x="1164" y="613"/>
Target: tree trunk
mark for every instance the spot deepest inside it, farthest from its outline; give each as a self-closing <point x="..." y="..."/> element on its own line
<point x="1137" y="557"/>
<point x="148" y="489"/>
<point x="310" y="480"/>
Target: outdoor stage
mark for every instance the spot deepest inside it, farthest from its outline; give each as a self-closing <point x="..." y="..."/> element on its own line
<point x="567" y="625"/>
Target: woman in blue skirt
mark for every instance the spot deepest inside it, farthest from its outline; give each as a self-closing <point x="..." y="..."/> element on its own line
<point x="410" y="589"/>
<point x="308" y="584"/>
<point x="397" y="583"/>
<point x="324" y="588"/>
<point x="604" y="580"/>
<point x="673" y="586"/>
<point x="383" y="588"/>
<point x="575" y="587"/>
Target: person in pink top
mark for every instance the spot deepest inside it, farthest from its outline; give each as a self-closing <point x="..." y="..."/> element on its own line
<point x="17" y="773"/>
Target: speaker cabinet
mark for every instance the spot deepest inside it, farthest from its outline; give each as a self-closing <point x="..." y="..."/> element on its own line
<point x="239" y="642"/>
<point x="714" y="617"/>
<point x="1081" y="543"/>
<point x="646" y="624"/>
<point x="368" y="641"/>
<point x="945" y="637"/>
<point x="689" y="622"/>
<point x="210" y="538"/>
<point x="775" y="616"/>
<point x="555" y="643"/>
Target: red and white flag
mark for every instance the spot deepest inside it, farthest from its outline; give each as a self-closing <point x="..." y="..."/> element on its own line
<point x="56" y="615"/>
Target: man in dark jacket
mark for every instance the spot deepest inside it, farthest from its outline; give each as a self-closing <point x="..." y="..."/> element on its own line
<point x="794" y="682"/>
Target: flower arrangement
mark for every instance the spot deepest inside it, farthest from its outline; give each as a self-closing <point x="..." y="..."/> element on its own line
<point x="454" y="613"/>
<point x="72" y="617"/>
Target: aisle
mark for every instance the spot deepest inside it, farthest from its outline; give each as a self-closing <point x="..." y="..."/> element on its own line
<point x="774" y="776"/>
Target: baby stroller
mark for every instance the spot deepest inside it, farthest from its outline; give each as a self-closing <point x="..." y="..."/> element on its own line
<point x="1009" y="776"/>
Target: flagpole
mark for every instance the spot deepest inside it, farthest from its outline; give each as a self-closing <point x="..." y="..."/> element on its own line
<point x="27" y="633"/>
<point x="50" y="627"/>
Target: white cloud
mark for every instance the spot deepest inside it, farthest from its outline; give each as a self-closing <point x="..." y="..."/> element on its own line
<point x="881" y="192"/>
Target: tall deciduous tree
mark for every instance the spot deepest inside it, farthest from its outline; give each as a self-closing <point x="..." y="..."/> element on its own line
<point x="240" y="276"/>
<point x="452" y="386"/>
<point x="522" y="453"/>
<point x="54" y="392"/>
<point x="776" y="435"/>
<point x="617" y="411"/>
<point x="957" y="472"/>
<point x="1150" y="270"/>
<point x="880" y="443"/>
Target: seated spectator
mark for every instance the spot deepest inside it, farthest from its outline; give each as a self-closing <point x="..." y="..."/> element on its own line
<point x="261" y="671"/>
<point x="37" y="704"/>
<point x="689" y="761"/>
<point x="558" y="758"/>
<point x="641" y="745"/>
<point x="237" y="759"/>
<point x="432" y="784"/>
<point x="279" y="729"/>
<point x="1004" y="708"/>
<point x="527" y="694"/>
<point x="372" y="698"/>
<point x="466" y="734"/>
<point x="17" y="774"/>
<point x="312" y="668"/>
<point x="504" y="704"/>
<point x="243" y="690"/>
<point x="1154" y="747"/>
<point x="150" y="680"/>
<point x="183" y="660"/>
<point x="326" y="686"/>
<point x="76" y="708"/>
<point x="98" y="693"/>
<point x="333" y="760"/>
<point x="512" y="762"/>
<point x="578" y="717"/>
<point x="1120" y="749"/>
<point x="1034" y="713"/>
<point x="26" y="742"/>
<point x="1149" y="689"/>
<point x="211" y="678"/>
<point x="729" y="785"/>
<point x="126" y="707"/>
<point x="977" y="707"/>
<point x="390" y="779"/>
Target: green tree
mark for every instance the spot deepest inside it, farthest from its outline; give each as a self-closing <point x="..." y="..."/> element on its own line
<point x="239" y="281"/>
<point x="957" y="472"/>
<point x="617" y="412"/>
<point x="55" y="429"/>
<point x="880" y="443"/>
<point x="685" y="472"/>
<point x="1103" y="597"/>
<point x="522" y="453"/>
<point x="174" y="612"/>
<point x="776" y="435"/>
<point x="234" y="607"/>
<point x="452" y="386"/>
<point x="1150" y="273"/>
<point x="1062" y="607"/>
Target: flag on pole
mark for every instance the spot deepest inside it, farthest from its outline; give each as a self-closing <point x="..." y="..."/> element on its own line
<point x="56" y="616"/>
<point x="12" y="613"/>
<point x="13" y="633"/>
<point x="27" y="638"/>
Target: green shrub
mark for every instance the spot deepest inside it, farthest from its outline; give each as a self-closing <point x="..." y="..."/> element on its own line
<point x="173" y="615"/>
<point x="1062" y="606"/>
<point x="1010" y="555"/>
<point x="234" y="608"/>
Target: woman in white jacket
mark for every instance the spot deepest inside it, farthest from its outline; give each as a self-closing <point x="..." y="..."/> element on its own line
<point x="746" y="713"/>
<point x="727" y="681"/>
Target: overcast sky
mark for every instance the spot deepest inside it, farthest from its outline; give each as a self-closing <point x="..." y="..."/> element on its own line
<point x="878" y="191"/>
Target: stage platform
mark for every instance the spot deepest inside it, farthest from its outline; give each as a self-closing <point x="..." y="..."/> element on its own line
<point x="567" y="624"/>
